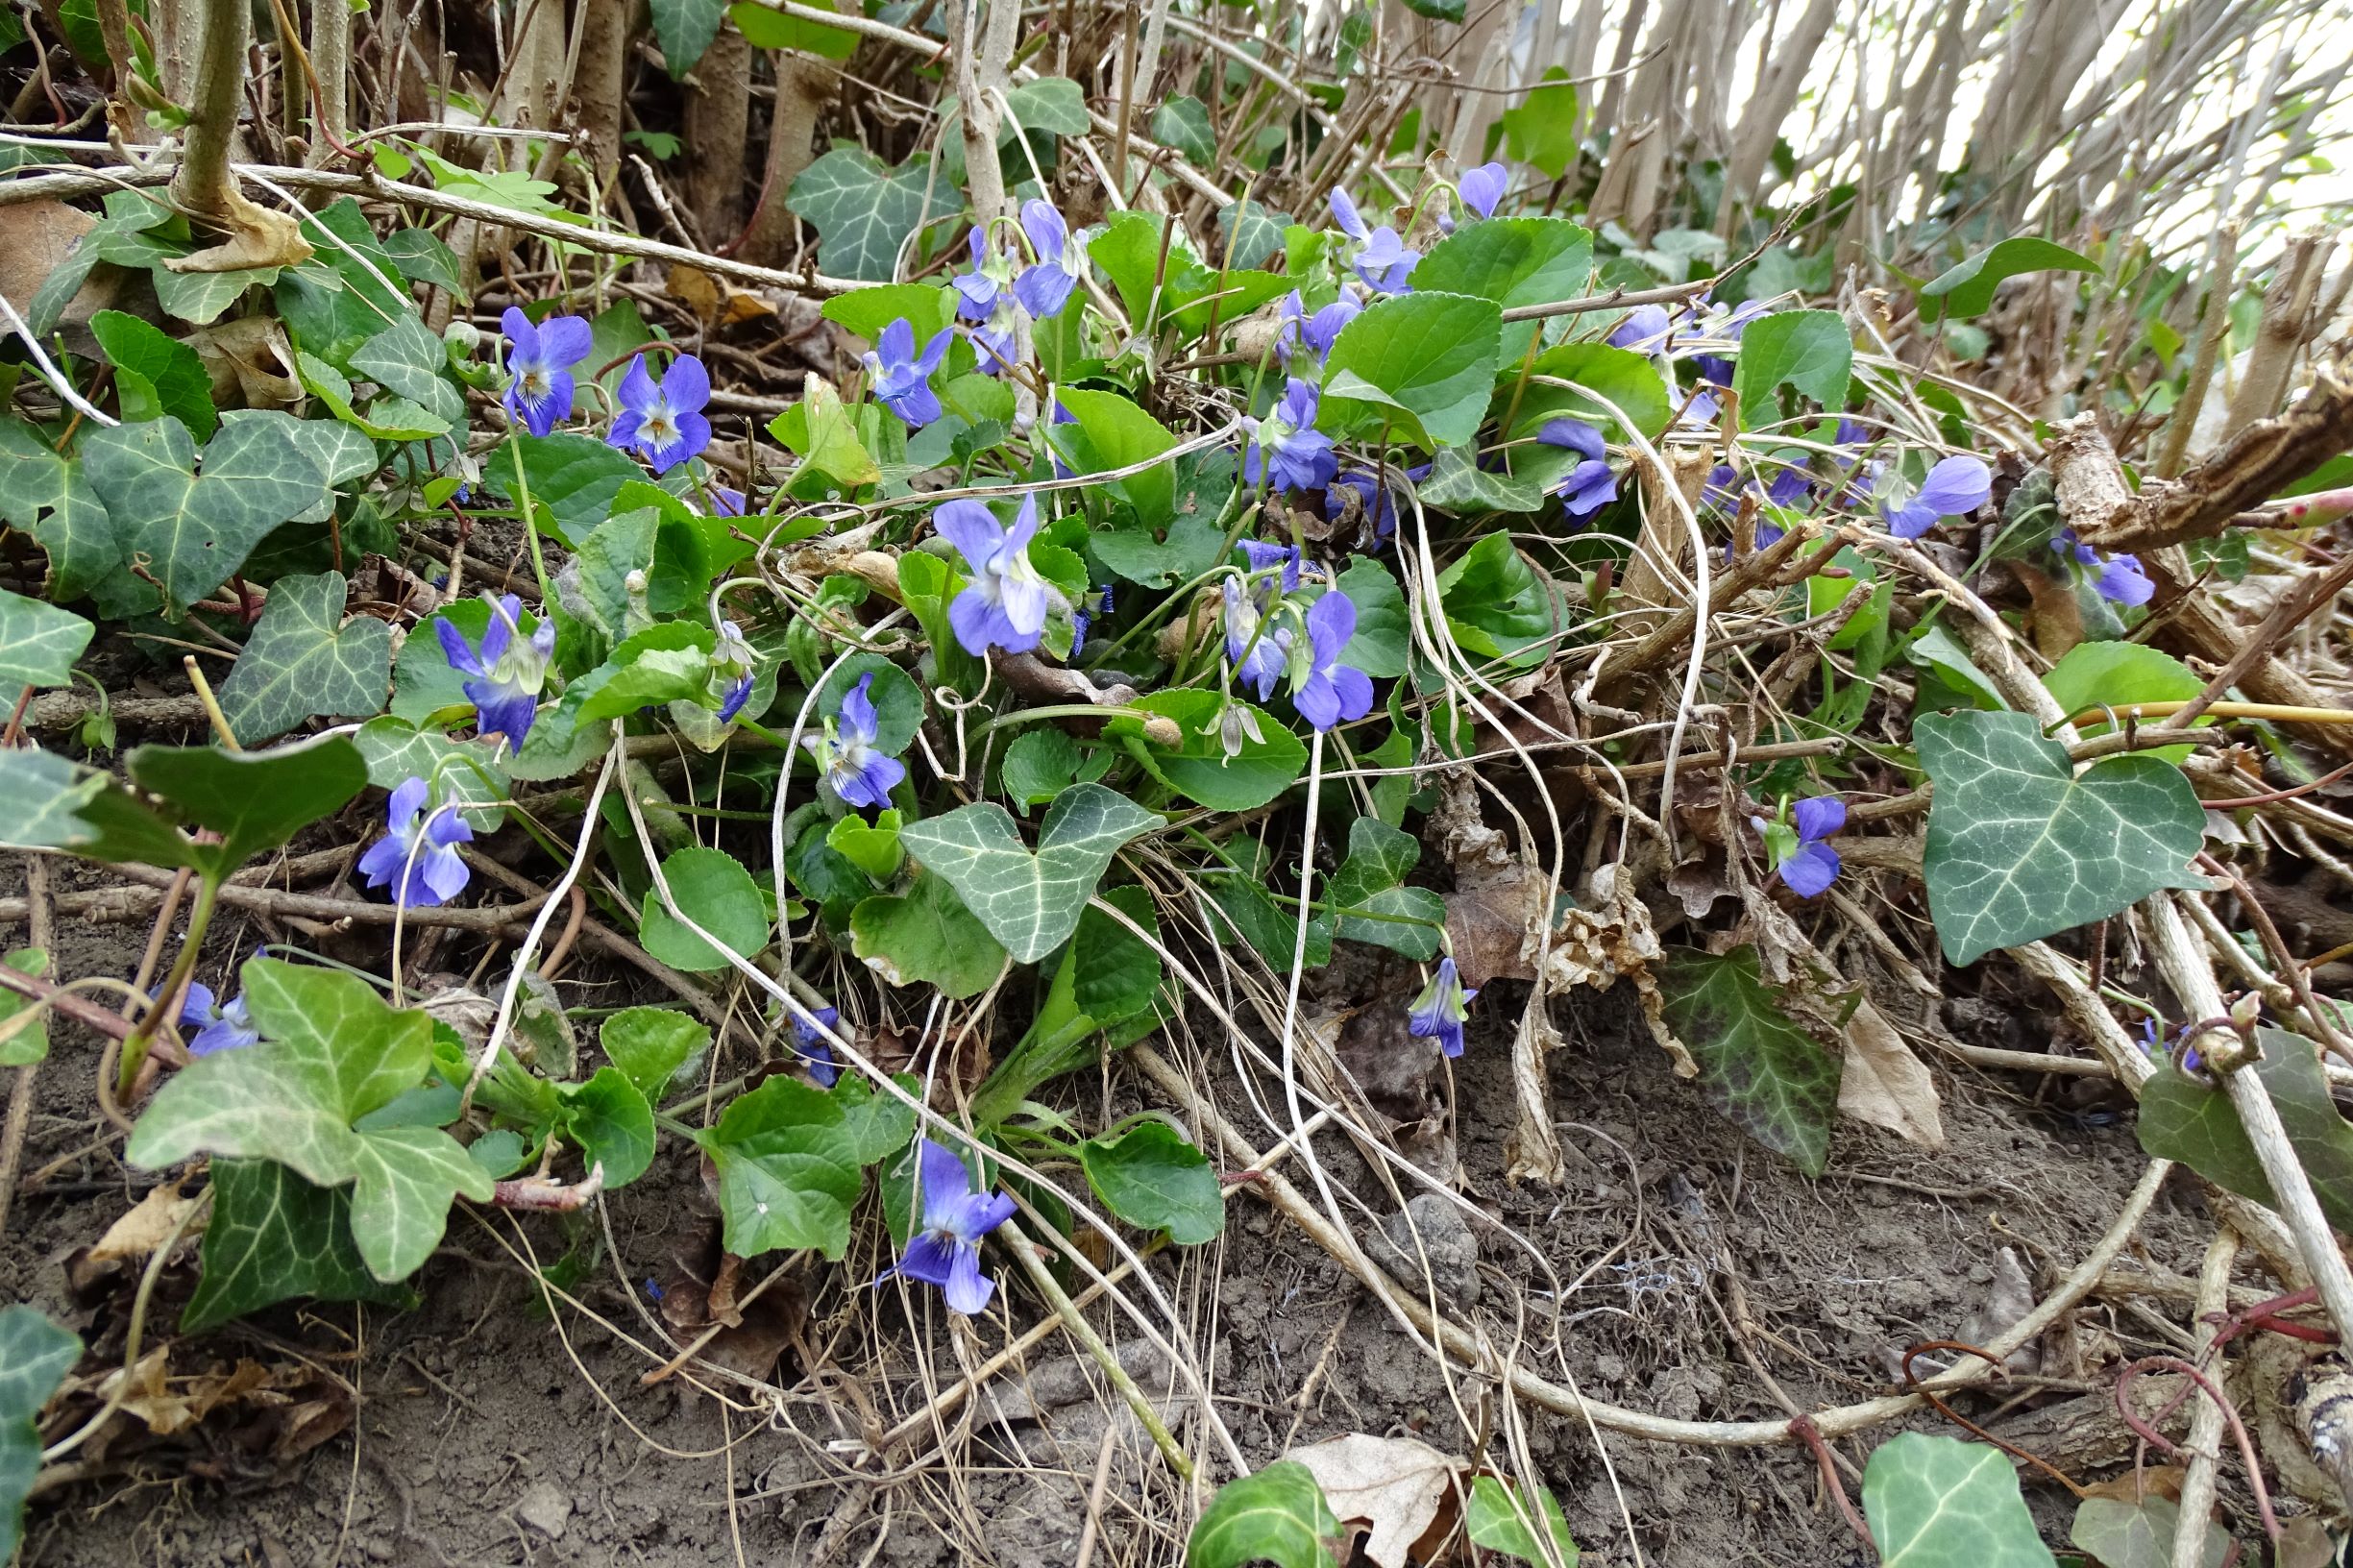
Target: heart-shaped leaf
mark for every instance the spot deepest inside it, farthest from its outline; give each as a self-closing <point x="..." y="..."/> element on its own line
<point x="303" y="661"/>
<point x="788" y="1169"/>
<point x="1428" y="357"/>
<point x="174" y="378"/>
<point x="1198" y="765"/>
<point x="39" y="643"/>
<point x="1939" y="1503"/>
<point x="1155" y="1180"/>
<point x="332" y="1051"/>
<point x="863" y="209"/>
<point x="1031" y="903"/>
<point x="2020" y="845"/>
<point x="255" y="800"/>
<point x="650" y="1045"/>
<point x="197" y="530"/>
<point x="925" y="937"/>
<point x="1278" y="1515"/>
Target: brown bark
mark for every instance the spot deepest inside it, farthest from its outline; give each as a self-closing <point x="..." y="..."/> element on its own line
<point x="602" y="82"/>
<point x="804" y="87"/>
<point x="718" y="116"/>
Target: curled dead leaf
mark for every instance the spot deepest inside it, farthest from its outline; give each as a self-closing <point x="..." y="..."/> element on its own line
<point x="1395" y="1490"/>
<point x="149" y="1223"/>
<point x="1882" y="1082"/>
<point x="258" y="237"/>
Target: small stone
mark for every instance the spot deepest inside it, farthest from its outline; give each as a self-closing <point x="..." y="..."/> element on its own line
<point x="545" y="1508"/>
<point x="1445" y="1239"/>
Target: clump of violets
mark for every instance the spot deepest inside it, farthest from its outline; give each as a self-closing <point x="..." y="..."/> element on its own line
<point x="539" y="362"/>
<point x="1798" y="851"/>
<point x="1955" y="487"/>
<point x="944" y="1251"/>
<point x="1004" y="603"/>
<point x="1314" y="331"/>
<point x="220" y="1027"/>
<point x="846" y="761"/>
<point x="506" y="672"/>
<point x="900" y="378"/>
<point x="417" y="857"/>
<point x="1591" y="485"/>
<point x="1045" y="288"/>
<point x="1441" y="1011"/>
<point x="2117" y="578"/>
<point x="1383" y="260"/>
<point x="1286" y="448"/>
<point x="984" y="298"/>
<point x="733" y="663"/>
<point x="809" y="1041"/>
<point x="664" y="422"/>
<point x="1325" y="690"/>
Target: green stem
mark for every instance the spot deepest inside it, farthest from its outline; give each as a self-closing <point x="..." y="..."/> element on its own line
<point x="175" y="984"/>
<point x="204" y="184"/>
<point x="530" y="529"/>
<point x="1029" y="1253"/>
<point x="1061" y="710"/>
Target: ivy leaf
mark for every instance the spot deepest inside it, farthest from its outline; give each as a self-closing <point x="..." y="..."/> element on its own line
<point x="1049" y="102"/>
<point x="1424" y="362"/>
<point x="303" y="661"/>
<point x="196" y="530"/>
<point x="39" y="643"/>
<point x="1252" y="231"/>
<point x="2181" y="1118"/>
<point x="1278" y="1515"/>
<point x="1198" y="766"/>
<point x="1497" y="604"/>
<point x="273" y="1237"/>
<point x="1459" y="484"/>
<point x="1366" y="895"/>
<point x="2020" y="845"/>
<point x="255" y="800"/>
<point x="1967" y="288"/>
<point x="865" y="211"/>
<point x="396" y="749"/>
<point x="1156" y="1181"/>
<point x="332" y="1051"/>
<point x="1810" y="350"/>
<point x="1767" y="1074"/>
<point x="685" y="29"/>
<point x="650" y="1045"/>
<point x="2123" y="1534"/>
<point x="50" y="498"/>
<point x="342" y="452"/>
<point x="788" y="1169"/>
<point x="1513" y="262"/>
<point x="926" y="937"/>
<point x="1937" y="1501"/>
<point x="422" y="256"/>
<point x="198" y="298"/>
<point x="409" y="360"/>
<point x="1500" y="1516"/>
<point x="35" y="1357"/>
<point x="1030" y="903"/>
<point x="715" y="893"/>
<point x="172" y="373"/>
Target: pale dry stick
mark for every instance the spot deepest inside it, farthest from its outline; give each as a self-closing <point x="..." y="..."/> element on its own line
<point x="590" y="823"/>
<point x="2206" y="1420"/>
<point x="1469" y="1349"/>
<point x="847" y="1051"/>
<point x="2191" y="979"/>
<point x="49" y="371"/>
<point x="2214" y="325"/>
<point x="1093" y="1530"/>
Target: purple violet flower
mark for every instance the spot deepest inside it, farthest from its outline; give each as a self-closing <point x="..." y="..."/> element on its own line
<point x="1327" y="691"/>
<point x="1285" y="447"/>
<point x="1258" y="653"/>
<point x="1590" y="485"/>
<point x="2118" y="578"/>
<point x="1482" y="187"/>
<point x="900" y="378"/>
<point x="724" y="503"/>
<point x="945" y="1250"/>
<point x="664" y="422"/>
<point x="1379" y="500"/>
<point x="846" y="761"/>
<point x="1807" y="864"/>
<point x="732" y="664"/>
<point x="977" y="290"/>
<point x="218" y="1027"/>
<point x="539" y="362"/>
<point x="1004" y="603"/>
<point x="418" y="858"/>
<point x="1441" y="1009"/>
<point x="1264" y="556"/>
<point x="1954" y="487"/>
<point x="1646" y="329"/>
<point x="1313" y="330"/>
<point x="509" y="670"/>
<point x="1382" y="259"/>
<point x="810" y="1041"/>
<point x="1045" y="288"/>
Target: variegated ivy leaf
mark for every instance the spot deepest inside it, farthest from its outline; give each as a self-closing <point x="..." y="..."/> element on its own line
<point x="1031" y="903"/>
<point x="303" y="661"/>
<point x="2022" y="845"/>
<point x="195" y="530"/>
<point x="332" y="1051"/>
<point x="49" y="498"/>
<point x="863" y="209"/>
<point x="1756" y="1064"/>
<point x="1936" y="1502"/>
<point x="35" y="1357"/>
<point x="407" y="361"/>
<point x="272" y="1237"/>
<point x="39" y="643"/>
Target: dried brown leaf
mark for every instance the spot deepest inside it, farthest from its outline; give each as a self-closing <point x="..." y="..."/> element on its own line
<point x="1394" y="1488"/>
<point x="1884" y="1083"/>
